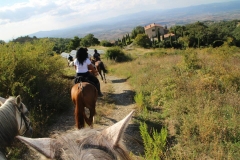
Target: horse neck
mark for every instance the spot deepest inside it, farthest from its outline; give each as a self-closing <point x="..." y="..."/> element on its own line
<point x="8" y="124"/>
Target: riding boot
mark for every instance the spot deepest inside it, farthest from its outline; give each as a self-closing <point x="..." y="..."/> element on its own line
<point x="99" y="90"/>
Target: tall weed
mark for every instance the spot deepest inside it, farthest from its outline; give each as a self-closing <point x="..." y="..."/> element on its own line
<point x="154" y="145"/>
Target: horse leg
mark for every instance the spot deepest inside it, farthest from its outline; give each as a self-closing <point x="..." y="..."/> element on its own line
<point x="91" y="117"/>
<point x="99" y="69"/>
<point x="101" y="75"/>
<point x="105" y="81"/>
<point x="103" y="69"/>
<point x="79" y="114"/>
<point x="88" y="120"/>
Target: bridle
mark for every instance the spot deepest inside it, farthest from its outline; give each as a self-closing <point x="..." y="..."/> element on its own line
<point x="24" y="119"/>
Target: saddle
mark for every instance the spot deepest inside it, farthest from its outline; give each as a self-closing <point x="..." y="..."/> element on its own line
<point x="79" y="79"/>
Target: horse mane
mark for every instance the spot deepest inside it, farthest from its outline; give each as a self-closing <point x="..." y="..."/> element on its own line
<point x="90" y="144"/>
<point x="86" y="143"/>
<point x="8" y="122"/>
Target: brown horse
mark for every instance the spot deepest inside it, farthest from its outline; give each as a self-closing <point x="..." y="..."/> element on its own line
<point x="83" y="95"/>
<point x="100" y="68"/>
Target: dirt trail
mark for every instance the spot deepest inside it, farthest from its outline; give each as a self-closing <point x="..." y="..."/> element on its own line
<point x="124" y="104"/>
<point x="122" y="96"/>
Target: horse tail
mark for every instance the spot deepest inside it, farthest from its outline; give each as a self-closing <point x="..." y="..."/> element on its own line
<point x="79" y="111"/>
<point x="103" y="67"/>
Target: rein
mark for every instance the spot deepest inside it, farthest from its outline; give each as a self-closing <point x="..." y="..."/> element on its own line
<point x="23" y="117"/>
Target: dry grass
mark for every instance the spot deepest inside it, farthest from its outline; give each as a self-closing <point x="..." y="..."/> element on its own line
<point x="194" y="93"/>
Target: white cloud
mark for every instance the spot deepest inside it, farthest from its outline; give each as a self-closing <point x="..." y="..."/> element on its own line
<point x="36" y="15"/>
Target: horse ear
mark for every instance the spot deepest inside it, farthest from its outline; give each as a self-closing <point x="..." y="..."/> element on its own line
<point x="18" y="99"/>
<point x="41" y="145"/>
<point x="115" y="131"/>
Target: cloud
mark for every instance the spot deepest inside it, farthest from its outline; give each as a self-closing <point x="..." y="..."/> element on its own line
<point x="23" y="11"/>
<point x="29" y="16"/>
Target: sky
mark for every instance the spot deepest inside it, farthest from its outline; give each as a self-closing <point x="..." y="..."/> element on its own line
<point x="24" y="17"/>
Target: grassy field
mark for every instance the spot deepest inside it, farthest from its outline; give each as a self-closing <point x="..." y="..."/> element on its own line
<point x="193" y="93"/>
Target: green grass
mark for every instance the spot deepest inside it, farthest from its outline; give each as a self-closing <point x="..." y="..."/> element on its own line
<point x="194" y="93"/>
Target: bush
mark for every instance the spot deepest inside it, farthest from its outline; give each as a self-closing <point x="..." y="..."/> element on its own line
<point x="106" y="43"/>
<point x="142" y="40"/>
<point x="116" y="54"/>
<point x="154" y="145"/>
<point x="30" y="70"/>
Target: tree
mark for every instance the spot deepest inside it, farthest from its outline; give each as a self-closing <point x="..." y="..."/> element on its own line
<point x="142" y="40"/>
<point x="24" y="39"/>
<point x="158" y="35"/>
<point x="60" y="44"/>
<point x="170" y="39"/>
<point x="106" y="43"/>
<point x="89" y="40"/>
<point x="74" y="43"/>
<point x="137" y="30"/>
<point x="2" y="42"/>
<point x="236" y="35"/>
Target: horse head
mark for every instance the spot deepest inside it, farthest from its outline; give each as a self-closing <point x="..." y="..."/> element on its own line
<point x="24" y="124"/>
<point x="13" y="121"/>
<point x="84" y="144"/>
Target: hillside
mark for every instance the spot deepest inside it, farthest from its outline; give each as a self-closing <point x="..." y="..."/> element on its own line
<point x="114" y="28"/>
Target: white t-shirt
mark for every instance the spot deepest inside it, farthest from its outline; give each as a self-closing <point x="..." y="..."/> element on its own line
<point x="82" y="68"/>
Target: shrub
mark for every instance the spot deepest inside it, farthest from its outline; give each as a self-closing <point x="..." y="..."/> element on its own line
<point x="30" y="70"/>
<point x="154" y="145"/>
<point x="191" y="61"/>
<point x="139" y="99"/>
<point x="116" y="54"/>
<point x="106" y="43"/>
<point x="142" y="40"/>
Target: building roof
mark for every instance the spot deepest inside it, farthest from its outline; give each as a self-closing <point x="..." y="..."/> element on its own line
<point x="168" y="35"/>
<point x="152" y="25"/>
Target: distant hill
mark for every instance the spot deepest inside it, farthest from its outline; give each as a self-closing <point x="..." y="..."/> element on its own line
<point x="114" y="28"/>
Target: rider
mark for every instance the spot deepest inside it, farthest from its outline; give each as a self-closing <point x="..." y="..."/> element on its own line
<point x="70" y="58"/>
<point x="82" y="66"/>
<point x="96" y="55"/>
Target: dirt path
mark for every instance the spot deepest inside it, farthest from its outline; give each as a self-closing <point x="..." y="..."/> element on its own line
<point x="124" y="104"/>
<point x="122" y="96"/>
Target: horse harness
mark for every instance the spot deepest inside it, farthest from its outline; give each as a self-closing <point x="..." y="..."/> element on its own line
<point x="23" y="117"/>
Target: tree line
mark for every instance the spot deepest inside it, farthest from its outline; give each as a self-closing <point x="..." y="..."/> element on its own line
<point x="194" y="35"/>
